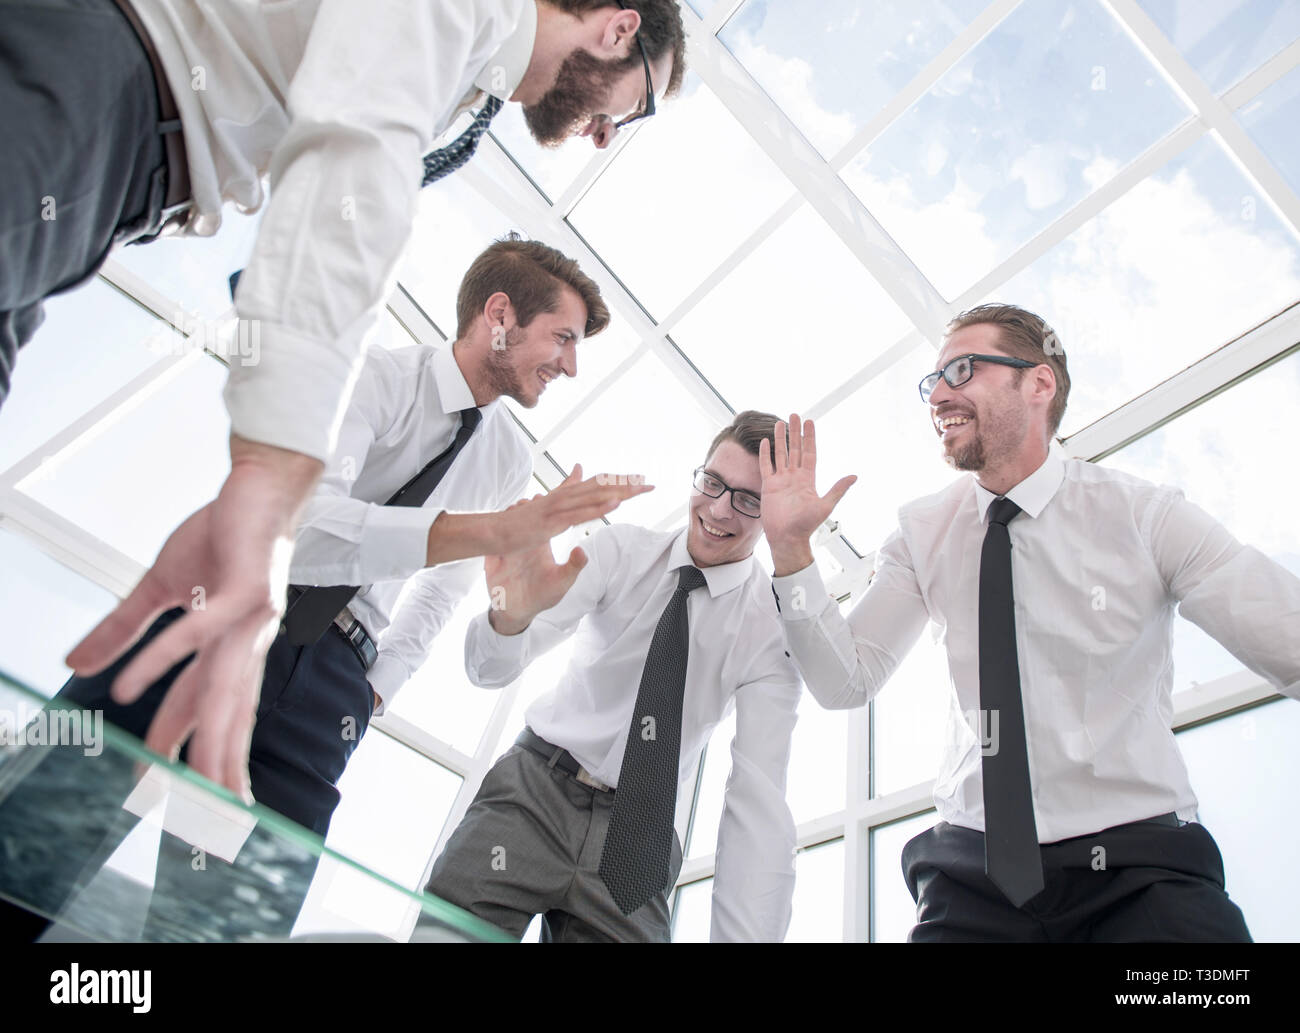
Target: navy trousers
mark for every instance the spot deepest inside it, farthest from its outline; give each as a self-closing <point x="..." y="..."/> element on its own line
<point x="1138" y="882"/>
<point x="315" y="705"/>
<point x="82" y="161"/>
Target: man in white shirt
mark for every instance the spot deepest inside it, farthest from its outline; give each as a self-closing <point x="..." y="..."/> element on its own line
<point x="522" y="310"/>
<point x="673" y="629"/>
<point x="1065" y="806"/>
<point x="157" y="113"/>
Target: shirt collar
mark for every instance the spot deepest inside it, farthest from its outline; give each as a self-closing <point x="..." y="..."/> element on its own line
<point x="722" y="578"/>
<point x="453" y="389"/>
<point x="505" y="70"/>
<point x="1033" y="493"/>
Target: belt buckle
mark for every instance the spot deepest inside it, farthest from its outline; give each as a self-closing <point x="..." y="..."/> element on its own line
<point x="584" y="776"/>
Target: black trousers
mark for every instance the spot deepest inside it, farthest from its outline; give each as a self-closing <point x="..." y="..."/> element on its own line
<point x="81" y="160"/>
<point x="1139" y="882"/>
<point x="61" y="822"/>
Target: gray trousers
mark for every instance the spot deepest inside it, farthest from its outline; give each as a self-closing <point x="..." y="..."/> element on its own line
<point x="530" y="844"/>
<point x="81" y="160"/>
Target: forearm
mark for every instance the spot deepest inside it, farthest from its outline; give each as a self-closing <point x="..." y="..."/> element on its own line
<point x="459" y="536"/>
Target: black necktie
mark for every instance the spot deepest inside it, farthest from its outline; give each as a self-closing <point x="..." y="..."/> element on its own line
<point x="446" y="160"/>
<point x="443" y="161"/>
<point x="1011" y="856"/>
<point x="312" y="610"/>
<point x="638" y="847"/>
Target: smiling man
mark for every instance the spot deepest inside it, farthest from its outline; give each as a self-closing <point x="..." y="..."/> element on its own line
<point x="673" y="630"/>
<point x="157" y="114"/>
<point x="1066" y="810"/>
<point x="427" y="457"/>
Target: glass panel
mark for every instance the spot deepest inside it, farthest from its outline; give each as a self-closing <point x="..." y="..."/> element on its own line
<point x="893" y="912"/>
<point x="908" y="718"/>
<point x="1228" y="39"/>
<point x="883" y="434"/>
<point x="394" y="803"/>
<point x="1243" y="769"/>
<point x="438" y="697"/>
<point x="817" y="910"/>
<point x="151" y="465"/>
<point x="831" y="65"/>
<point x="1271" y="119"/>
<point x="1183" y="263"/>
<point x="1202" y="453"/>
<point x="195" y="272"/>
<point x="693" y="912"/>
<point x="830" y="309"/>
<point x="45" y="610"/>
<point x="618" y="434"/>
<point x="65" y="862"/>
<point x="1022" y="128"/>
<point x="816" y="781"/>
<point x="661" y="231"/>
<point x="92" y="343"/>
<point x="552" y="169"/>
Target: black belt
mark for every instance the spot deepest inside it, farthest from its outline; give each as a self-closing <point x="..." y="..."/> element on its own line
<point x="178" y="169"/>
<point x="1163" y="819"/>
<point x="352" y="630"/>
<point x="556" y="756"/>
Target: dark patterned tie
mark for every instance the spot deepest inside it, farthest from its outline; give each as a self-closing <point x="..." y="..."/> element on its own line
<point x="1011" y="855"/>
<point x="446" y="160"/>
<point x="638" y="846"/>
<point x="312" y="610"/>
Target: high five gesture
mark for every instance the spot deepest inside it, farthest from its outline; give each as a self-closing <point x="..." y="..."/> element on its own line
<point x="792" y="509"/>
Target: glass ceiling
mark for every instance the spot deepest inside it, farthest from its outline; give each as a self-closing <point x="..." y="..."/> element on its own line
<point x="836" y="180"/>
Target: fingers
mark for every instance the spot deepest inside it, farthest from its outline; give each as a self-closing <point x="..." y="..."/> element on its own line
<point x="782" y="452"/>
<point x="575" y="477"/>
<point x="796" y="441"/>
<point x="764" y="464"/>
<point x="577" y="560"/>
<point x="838" y="489"/>
<point x="176" y="643"/>
<point x="117" y="632"/>
<point x="809" y="445"/>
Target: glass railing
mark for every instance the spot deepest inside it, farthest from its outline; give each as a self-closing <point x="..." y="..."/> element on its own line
<point x="107" y="841"/>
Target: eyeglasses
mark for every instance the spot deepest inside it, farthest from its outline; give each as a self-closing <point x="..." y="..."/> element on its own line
<point x="962" y="368"/>
<point x="743" y="502"/>
<point x="649" y="106"/>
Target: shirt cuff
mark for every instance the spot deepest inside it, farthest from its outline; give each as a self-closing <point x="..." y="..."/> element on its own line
<point x="395" y="543"/>
<point x="490" y="651"/>
<point x="386" y="677"/>
<point x="289" y="390"/>
<point x="801" y="595"/>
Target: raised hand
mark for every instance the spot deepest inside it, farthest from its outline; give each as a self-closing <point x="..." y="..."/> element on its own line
<point x="533" y="523"/>
<point x="525" y="582"/>
<point x="792" y="509"/>
<point x="228" y="566"/>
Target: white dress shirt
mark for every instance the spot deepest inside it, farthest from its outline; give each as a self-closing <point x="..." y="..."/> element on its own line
<point x="1099" y="561"/>
<point x="404" y="412"/>
<point x="337" y="100"/>
<point x="736" y="659"/>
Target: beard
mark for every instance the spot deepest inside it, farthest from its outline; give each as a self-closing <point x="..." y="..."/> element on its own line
<point x="580" y="87"/>
<point x="502" y="375"/>
<point x="971" y="456"/>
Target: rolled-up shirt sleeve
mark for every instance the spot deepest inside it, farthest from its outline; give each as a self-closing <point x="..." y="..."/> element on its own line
<point x="843" y="662"/>
<point x="363" y="106"/>
<point x="1247" y="602"/>
<point x="754" y="868"/>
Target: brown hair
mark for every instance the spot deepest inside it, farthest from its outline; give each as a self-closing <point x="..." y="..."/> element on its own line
<point x="532" y="275"/>
<point x="661" y="30"/>
<point x="747" y="429"/>
<point x="1027" y="336"/>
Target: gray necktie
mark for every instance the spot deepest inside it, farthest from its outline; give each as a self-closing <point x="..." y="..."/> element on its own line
<point x="446" y="160"/>
<point x="1011" y="857"/>
<point x="638" y="846"/>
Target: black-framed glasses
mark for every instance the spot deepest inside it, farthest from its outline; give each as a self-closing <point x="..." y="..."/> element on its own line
<point x="649" y="106"/>
<point x="962" y="368"/>
<point x="743" y="502"/>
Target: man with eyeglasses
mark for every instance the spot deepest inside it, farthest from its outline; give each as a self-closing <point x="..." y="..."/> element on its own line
<point x="674" y="630"/>
<point x="155" y="115"/>
<point x="1066" y="810"/>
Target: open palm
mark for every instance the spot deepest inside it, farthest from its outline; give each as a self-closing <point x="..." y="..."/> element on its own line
<point x="792" y="509"/>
